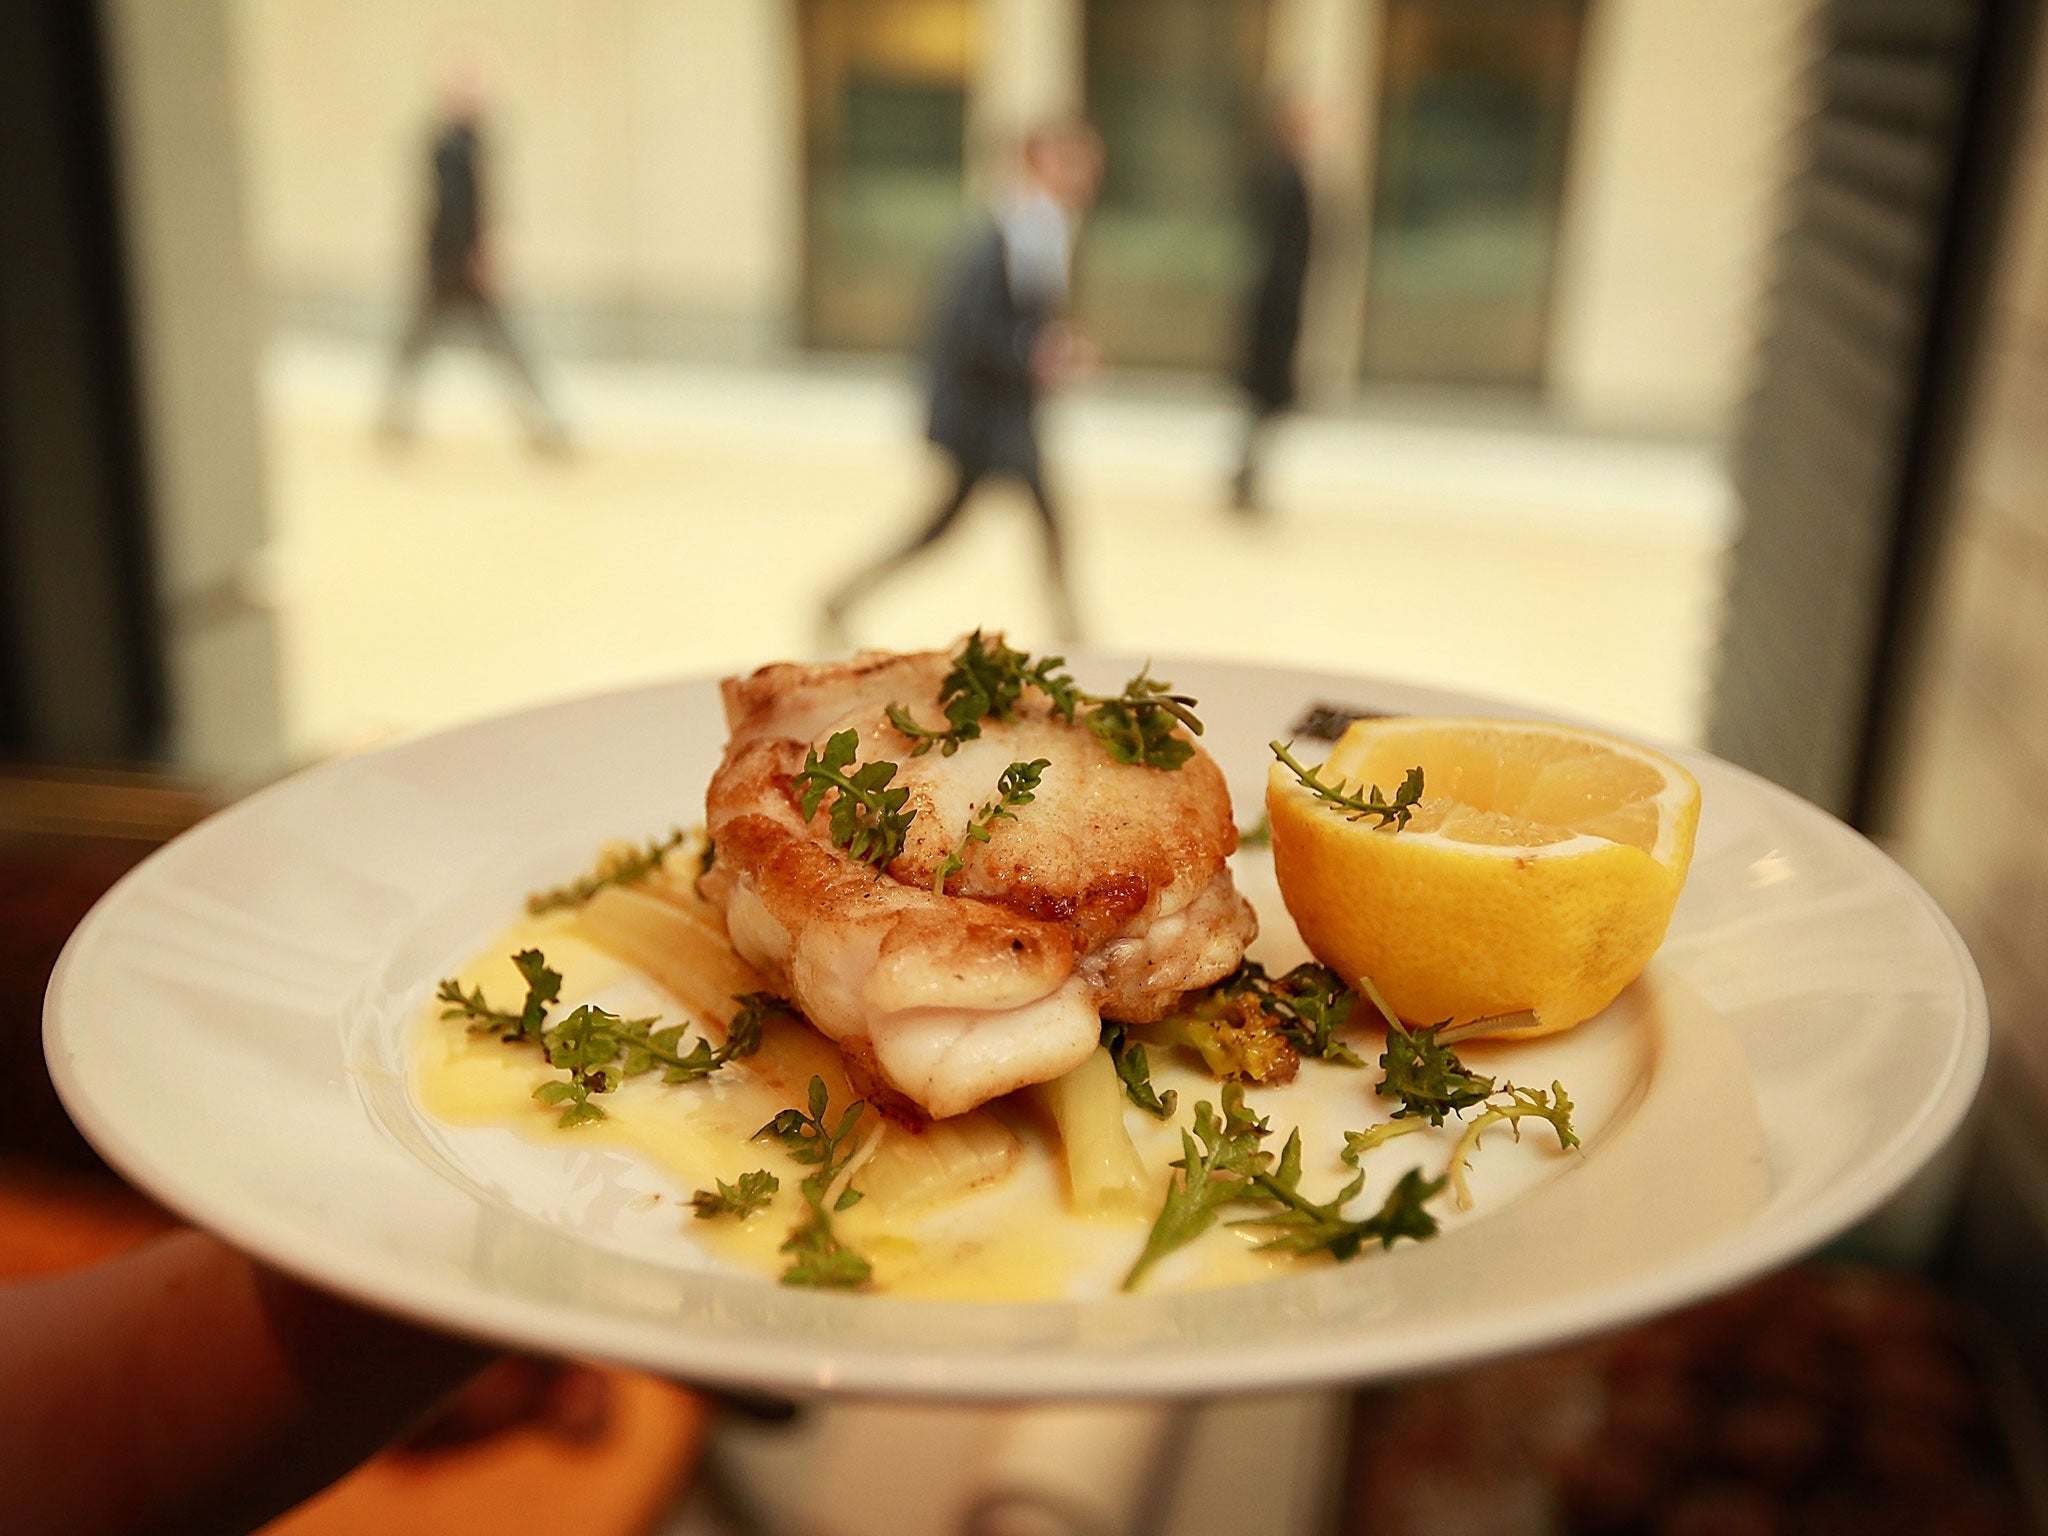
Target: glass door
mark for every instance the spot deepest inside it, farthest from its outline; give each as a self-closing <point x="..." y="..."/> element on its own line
<point x="1174" y="87"/>
<point x="1475" y="108"/>
<point x="885" y="116"/>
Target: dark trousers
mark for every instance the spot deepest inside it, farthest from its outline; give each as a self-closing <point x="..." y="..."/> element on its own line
<point x="1258" y="428"/>
<point x="450" y="303"/>
<point x="967" y="477"/>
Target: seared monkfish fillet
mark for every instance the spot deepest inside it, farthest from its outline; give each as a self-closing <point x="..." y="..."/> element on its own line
<point x="1105" y="897"/>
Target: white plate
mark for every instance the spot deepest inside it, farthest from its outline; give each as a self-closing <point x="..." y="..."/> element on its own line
<point x="223" y="1026"/>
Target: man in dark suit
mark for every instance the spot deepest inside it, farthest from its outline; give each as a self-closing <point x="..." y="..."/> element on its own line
<point x="1279" y="211"/>
<point x="458" y="283"/>
<point x="998" y="343"/>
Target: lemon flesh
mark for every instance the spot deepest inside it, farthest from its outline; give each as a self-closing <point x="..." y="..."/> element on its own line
<point x="1537" y="875"/>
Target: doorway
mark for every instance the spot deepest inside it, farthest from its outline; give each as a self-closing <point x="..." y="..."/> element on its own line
<point x="1173" y="85"/>
<point x="885" y="127"/>
<point x="1475" y="112"/>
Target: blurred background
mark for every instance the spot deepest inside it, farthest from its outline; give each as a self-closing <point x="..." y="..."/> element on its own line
<point x="716" y="230"/>
<point x="1682" y="367"/>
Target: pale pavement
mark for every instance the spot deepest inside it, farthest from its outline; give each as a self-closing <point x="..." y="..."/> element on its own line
<point x="705" y="511"/>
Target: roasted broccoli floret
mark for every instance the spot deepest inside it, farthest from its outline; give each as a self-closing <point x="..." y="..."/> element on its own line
<point x="1257" y="1027"/>
<point x="1233" y="1030"/>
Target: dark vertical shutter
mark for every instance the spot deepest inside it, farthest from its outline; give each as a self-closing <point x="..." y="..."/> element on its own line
<point x="1845" y="432"/>
<point x="80" y="662"/>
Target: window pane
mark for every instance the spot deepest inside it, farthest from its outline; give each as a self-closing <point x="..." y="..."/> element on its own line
<point x="1174" y="87"/>
<point x="1476" y="100"/>
<point x="885" y="93"/>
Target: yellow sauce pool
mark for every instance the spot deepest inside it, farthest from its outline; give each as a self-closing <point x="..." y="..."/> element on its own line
<point x="1013" y="1240"/>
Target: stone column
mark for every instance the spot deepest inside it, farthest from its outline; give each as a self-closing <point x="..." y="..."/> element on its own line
<point x="1028" y="68"/>
<point x="196" y="331"/>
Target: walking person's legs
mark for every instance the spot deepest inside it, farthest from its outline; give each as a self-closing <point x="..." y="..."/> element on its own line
<point x="396" y="418"/>
<point x="1244" y="485"/>
<point x="1066" y="622"/>
<point x="543" y="424"/>
<point x="857" y="586"/>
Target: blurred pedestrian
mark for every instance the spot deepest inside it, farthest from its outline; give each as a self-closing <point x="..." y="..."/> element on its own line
<point x="1279" y="210"/>
<point x="458" y="285"/>
<point x="998" y="343"/>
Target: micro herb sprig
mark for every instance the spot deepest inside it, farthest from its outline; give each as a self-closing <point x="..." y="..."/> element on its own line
<point x="1432" y="1083"/>
<point x="1222" y="1164"/>
<point x="868" y="818"/>
<point x="1258" y="835"/>
<point x="985" y="682"/>
<point x="988" y="678"/>
<point x="1306" y="1226"/>
<point x="624" y="867"/>
<point x="1358" y="1143"/>
<point x="1427" y="1076"/>
<point x="1356" y="806"/>
<point x="1312" y="1004"/>
<point x="1137" y="725"/>
<point x="543" y="987"/>
<point x="1018" y="785"/>
<point x="1554" y="1107"/>
<point x="817" y="1255"/>
<point x="1135" y="1073"/>
<point x="752" y="1193"/>
<point x="598" y="1049"/>
<point x="1218" y="1161"/>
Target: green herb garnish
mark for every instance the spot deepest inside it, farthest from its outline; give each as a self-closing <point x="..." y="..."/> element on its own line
<point x="1554" y="1106"/>
<point x="1258" y="835"/>
<point x="543" y="986"/>
<point x="755" y="1010"/>
<point x="1313" y="1003"/>
<point x="988" y="678"/>
<point x="1219" y="1159"/>
<point x="1223" y="1164"/>
<point x="1427" y="1076"/>
<point x="1137" y="725"/>
<point x="817" y="1256"/>
<point x="1135" y="1073"/>
<point x="1305" y="1226"/>
<point x="624" y="867"/>
<point x="598" y="1048"/>
<point x="868" y="819"/>
<point x="1356" y="806"/>
<point x="1017" y="786"/>
<point x="752" y="1193"/>
<point x="1254" y="1026"/>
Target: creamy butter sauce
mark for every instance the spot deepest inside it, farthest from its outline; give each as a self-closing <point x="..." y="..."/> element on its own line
<point x="1013" y="1240"/>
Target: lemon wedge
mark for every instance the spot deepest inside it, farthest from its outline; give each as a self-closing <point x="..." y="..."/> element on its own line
<point x="1536" y="876"/>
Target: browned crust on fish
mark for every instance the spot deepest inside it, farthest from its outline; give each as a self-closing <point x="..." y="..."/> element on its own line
<point x="1115" y="871"/>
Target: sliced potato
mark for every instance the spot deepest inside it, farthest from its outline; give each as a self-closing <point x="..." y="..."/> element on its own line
<point x="694" y="962"/>
<point x="1103" y="1170"/>
<point x="687" y="955"/>
<point x="947" y="1157"/>
<point x="791" y="1054"/>
<point x="674" y="880"/>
